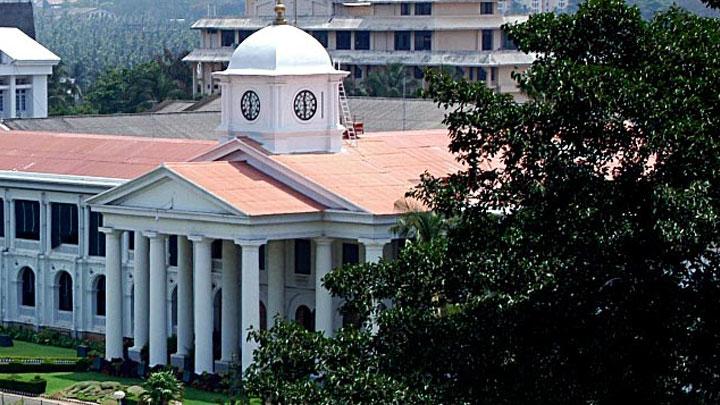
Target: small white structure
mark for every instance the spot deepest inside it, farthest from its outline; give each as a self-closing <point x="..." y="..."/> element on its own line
<point x="275" y="64"/>
<point x="24" y="69"/>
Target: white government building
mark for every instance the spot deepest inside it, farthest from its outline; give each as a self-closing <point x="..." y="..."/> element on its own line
<point x="24" y="69"/>
<point x="139" y="239"/>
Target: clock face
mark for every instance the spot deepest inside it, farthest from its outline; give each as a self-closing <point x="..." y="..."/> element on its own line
<point x="250" y="105"/>
<point x="305" y="105"/>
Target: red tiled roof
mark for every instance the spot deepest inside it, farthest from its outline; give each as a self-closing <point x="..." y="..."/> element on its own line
<point x="377" y="172"/>
<point x="121" y="157"/>
<point x="245" y="188"/>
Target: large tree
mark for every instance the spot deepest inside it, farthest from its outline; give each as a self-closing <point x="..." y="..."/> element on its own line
<point x="582" y="269"/>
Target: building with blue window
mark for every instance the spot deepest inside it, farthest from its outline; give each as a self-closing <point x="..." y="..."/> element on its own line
<point x="24" y="69"/>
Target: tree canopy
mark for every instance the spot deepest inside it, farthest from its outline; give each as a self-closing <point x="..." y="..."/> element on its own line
<point x="581" y="269"/>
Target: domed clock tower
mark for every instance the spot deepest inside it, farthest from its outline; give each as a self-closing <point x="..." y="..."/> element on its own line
<point x="281" y="90"/>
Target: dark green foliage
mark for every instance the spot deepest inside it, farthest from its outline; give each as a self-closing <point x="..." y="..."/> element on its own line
<point x="582" y="269"/>
<point x="130" y="90"/>
<point x="161" y="388"/>
<point x="35" y="386"/>
<point x="294" y="365"/>
<point x="43" y="365"/>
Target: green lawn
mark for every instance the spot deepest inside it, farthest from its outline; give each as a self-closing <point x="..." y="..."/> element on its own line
<point x="60" y="381"/>
<point x="25" y="349"/>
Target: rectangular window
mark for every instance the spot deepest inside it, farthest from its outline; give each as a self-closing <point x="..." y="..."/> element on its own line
<point x="350" y="253"/>
<point x="418" y="73"/>
<point x="20" y="100"/>
<point x="357" y="72"/>
<point x="405" y="9"/>
<point x="27" y="220"/>
<point x="2" y="100"/>
<point x="97" y="238"/>
<point x="173" y="250"/>
<point x="64" y="226"/>
<point x="487" y="40"/>
<point x="131" y="240"/>
<point x="321" y="36"/>
<point x="342" y="40"/>
<point x="227" y="38"/>
<point x="423" y="8"/>
<point x="362" y="40"/>
<point x="486" y="8"/>
<point x="244" y="34"/>
<point x="423" y="40"/>
<point x="302" y="256"/>
<point x="216" y="249"/>
<point x="402" y="40"/>
<point x="2" y="218"/>
<point x="508" y="43"/>
<point x="493" y="74"/>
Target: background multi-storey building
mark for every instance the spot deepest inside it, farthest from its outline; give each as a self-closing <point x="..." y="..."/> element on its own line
<point x="362" y="36"/>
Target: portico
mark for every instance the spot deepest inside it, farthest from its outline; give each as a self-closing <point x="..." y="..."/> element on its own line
<point x="240" y="281"/>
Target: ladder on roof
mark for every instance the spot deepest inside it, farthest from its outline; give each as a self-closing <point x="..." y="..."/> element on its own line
<point x="345" y="116"/>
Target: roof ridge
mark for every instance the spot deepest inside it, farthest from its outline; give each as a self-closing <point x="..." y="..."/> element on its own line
<point x="107" y="136"/>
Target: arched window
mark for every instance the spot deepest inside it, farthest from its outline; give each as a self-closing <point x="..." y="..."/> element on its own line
<point x="305" y="317"/>
<point x="100" y="296"/>
<point x="263" y="317"/>
<point x="65" y="292"/>
<point x="27" y="287"/>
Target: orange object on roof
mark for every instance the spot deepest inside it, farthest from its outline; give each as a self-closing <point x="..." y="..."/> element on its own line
<point x="245" y="188"/>
<point x="120" y="157"/>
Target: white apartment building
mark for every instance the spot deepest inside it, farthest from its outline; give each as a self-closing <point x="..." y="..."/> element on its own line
<point x="365" y="35"/>
<point x="24" y="69"/>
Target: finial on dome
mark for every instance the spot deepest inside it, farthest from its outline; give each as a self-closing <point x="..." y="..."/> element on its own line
<point x="280" y="13"/>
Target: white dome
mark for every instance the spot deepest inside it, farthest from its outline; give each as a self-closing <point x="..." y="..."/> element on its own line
<point x="280" y="50"/>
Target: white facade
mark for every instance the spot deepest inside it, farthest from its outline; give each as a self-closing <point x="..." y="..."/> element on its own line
<point x="24" y="69"/>
<point x="222" y="243"/>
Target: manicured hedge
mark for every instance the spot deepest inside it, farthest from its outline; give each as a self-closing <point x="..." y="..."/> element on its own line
<point x="44" y="366"/>
<point x="35" y="386"/>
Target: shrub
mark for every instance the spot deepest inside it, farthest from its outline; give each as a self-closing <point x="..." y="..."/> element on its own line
<point x="50" y="337"/>
<point x="36" y="386"/>
<point x="48" y="365"/>
<point x="161" y="388"/>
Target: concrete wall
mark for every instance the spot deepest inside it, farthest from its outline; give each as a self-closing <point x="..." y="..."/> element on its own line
<point x="455" y="40"/>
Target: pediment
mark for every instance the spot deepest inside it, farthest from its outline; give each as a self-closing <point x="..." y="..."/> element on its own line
<point x="163" y="190"/>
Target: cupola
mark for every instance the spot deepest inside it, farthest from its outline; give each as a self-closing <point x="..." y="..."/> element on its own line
<point x="281" y="90"/>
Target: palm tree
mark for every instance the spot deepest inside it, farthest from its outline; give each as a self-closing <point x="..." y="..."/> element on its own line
<point x="391" y="81"/>
<point x="418" y="223"/>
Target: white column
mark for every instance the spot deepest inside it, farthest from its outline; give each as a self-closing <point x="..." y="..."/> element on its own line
<point x="373" y="250"/>
<point x="373" y="254"/>
<point x="275" y="266"/>
<point x="250" y="284"/>
<point x="230" y="302"/>
<point x="158" y="301"/>
<point x="141" y="301"/>
<point x="11" y="95"/>
<point x="39" y="101"/>
<point x="113" y="295"/>
<point x="202" y="283"/>
<point x="184" y="297"/>
<point x="323" y="299"/>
